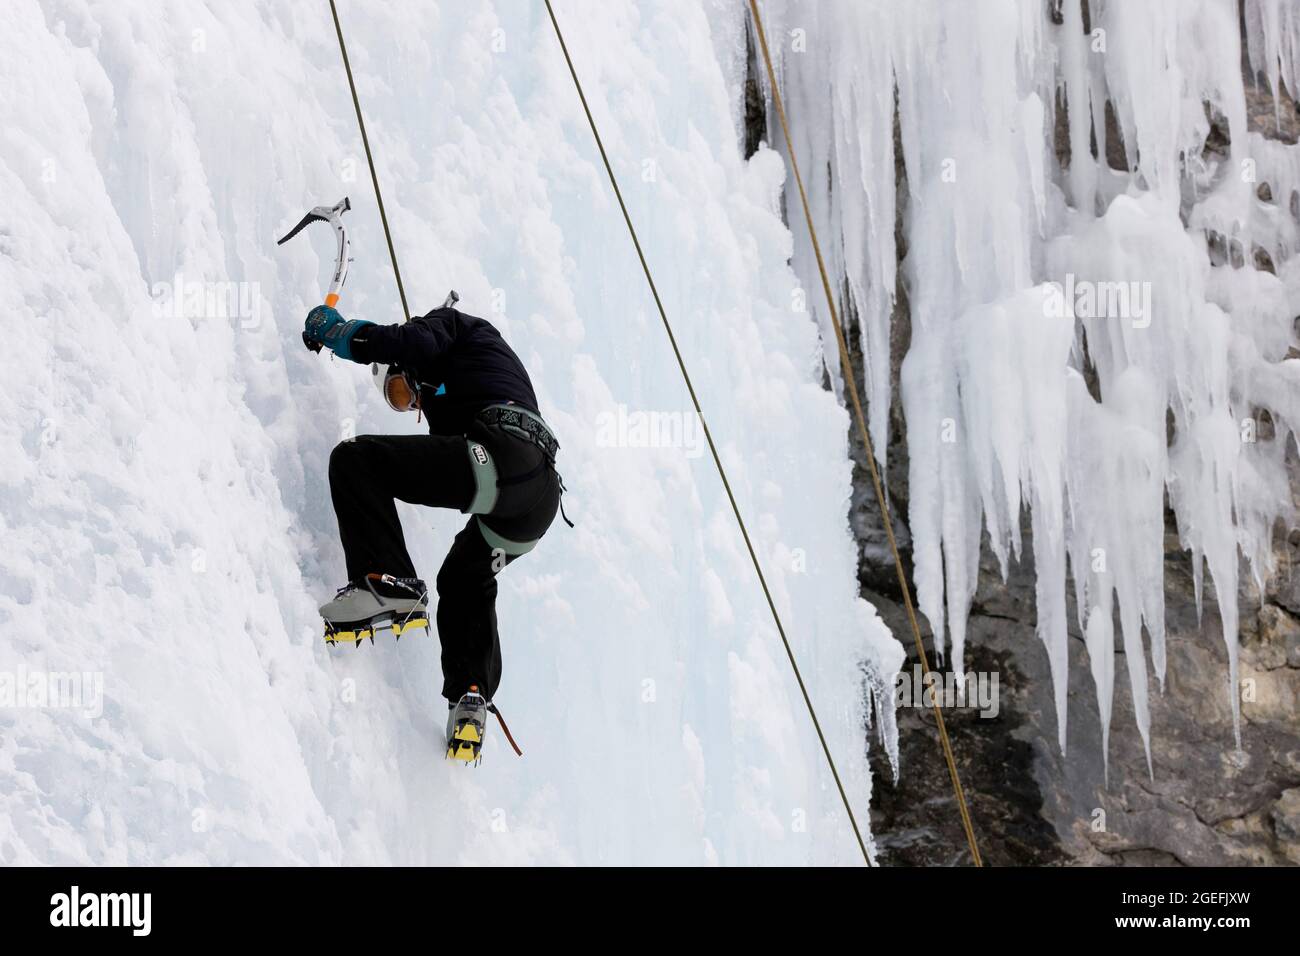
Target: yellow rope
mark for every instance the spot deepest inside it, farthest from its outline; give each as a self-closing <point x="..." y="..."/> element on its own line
<point x="717" y="460"/>
<point x="851" y="382"/>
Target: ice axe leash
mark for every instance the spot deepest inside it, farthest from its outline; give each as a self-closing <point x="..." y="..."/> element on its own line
<point x="334" y="216"/>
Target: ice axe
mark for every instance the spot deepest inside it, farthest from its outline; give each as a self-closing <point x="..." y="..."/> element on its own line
<point x="334" y="216"/>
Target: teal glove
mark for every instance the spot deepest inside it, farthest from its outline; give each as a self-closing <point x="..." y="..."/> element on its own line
<point x="325" y="326"/>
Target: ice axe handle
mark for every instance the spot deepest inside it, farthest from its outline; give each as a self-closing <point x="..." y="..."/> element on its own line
<point x="331" y="300"/>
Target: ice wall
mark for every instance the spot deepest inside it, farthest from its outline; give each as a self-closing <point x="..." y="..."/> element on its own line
<point x="165" y="513"/>
<point x="1068" y="310"/>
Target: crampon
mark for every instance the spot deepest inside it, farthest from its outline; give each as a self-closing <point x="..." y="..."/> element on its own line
<point x="361" y="611"/>
<point x="467" y="727"/>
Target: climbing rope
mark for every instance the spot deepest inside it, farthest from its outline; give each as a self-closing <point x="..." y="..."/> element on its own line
<point x="708" y="435"/>
<point x="876" y="482"/>
<point x="370" y="160"/>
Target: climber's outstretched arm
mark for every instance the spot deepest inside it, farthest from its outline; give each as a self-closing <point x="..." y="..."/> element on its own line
<point x="410" y="344"/>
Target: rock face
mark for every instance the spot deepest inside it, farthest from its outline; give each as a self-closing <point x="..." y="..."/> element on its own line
<point x="1202" y="803"/>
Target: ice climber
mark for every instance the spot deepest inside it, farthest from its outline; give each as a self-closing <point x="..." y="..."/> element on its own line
<point x="488" y="454"/>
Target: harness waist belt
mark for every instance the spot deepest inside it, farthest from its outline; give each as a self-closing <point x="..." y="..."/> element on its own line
<point x="523" y="424"/>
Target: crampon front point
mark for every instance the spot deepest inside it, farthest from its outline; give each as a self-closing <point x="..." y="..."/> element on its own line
<point x="356" y="633"/>
<point x="466" y="727"/>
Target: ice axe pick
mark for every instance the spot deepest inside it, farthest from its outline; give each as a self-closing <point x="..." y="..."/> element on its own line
<point x="334" y="216"/>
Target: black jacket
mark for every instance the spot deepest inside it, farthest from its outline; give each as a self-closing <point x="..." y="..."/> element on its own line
<point x="461" y="362"/>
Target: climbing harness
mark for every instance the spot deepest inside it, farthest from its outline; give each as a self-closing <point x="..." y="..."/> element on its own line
<point x="524" y="424"/>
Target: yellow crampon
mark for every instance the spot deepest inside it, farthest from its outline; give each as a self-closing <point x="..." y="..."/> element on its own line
<point x="359" y="634"/>
<point x="465" y="743"/>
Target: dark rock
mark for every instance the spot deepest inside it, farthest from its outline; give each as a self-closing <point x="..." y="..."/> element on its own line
<point x="1285" y="817"/>
<point x="1263" y="261"/>
<point x="755" y="104"/>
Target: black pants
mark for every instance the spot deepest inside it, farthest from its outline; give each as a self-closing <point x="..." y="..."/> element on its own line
<point x="368" y="472"/>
